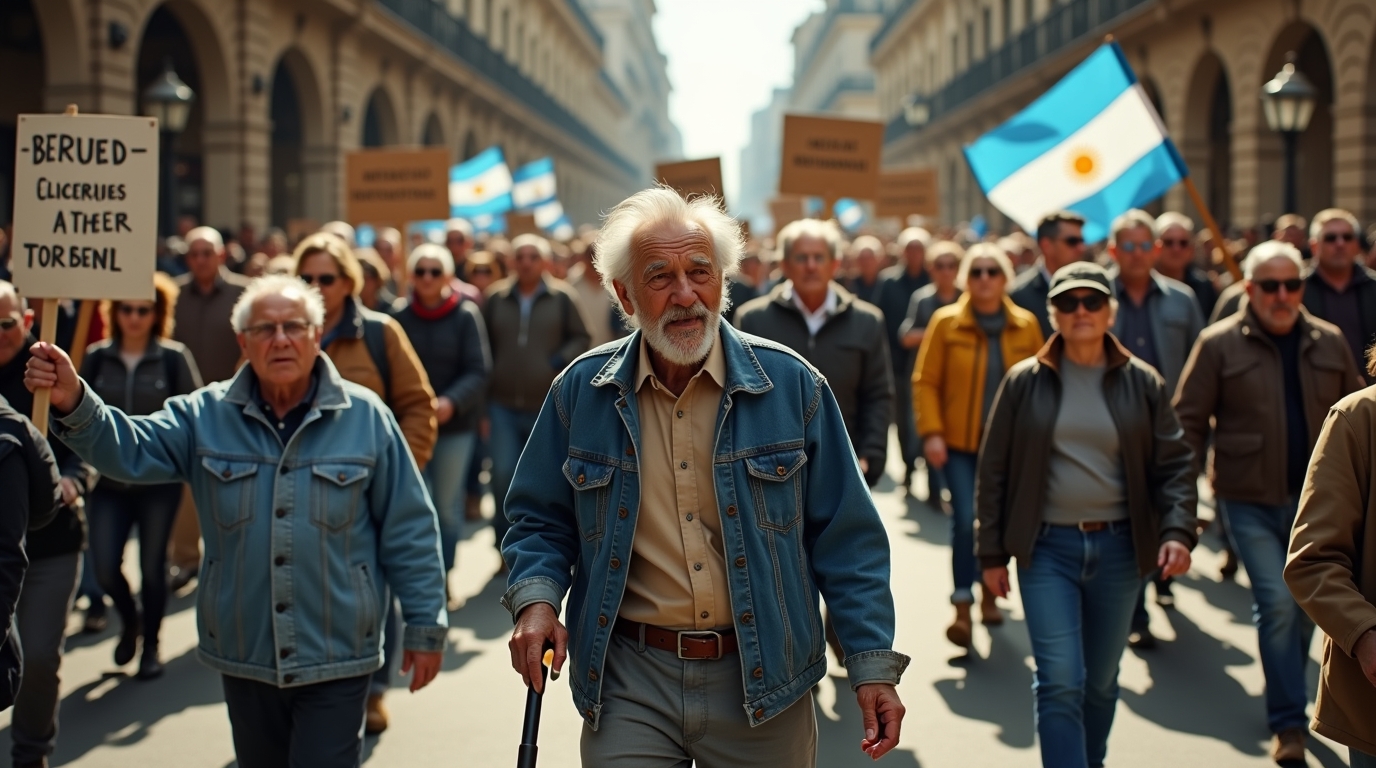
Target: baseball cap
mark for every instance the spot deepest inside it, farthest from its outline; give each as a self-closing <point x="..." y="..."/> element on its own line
<point x="1081" y="274"/>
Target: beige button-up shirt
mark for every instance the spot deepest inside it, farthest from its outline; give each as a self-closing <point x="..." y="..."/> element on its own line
<point x="677" y="577"/>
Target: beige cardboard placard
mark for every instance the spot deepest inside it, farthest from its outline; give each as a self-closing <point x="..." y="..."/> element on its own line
<point x="297" y="229"/>
<point x="394" y="186"/>
<point x="830" y="158"/>
<point x="693" y="177"/>
<point x="786" y="210"/>
<point x="522" y="224"/>
<point x="85" y="206"/>
<point x="907" y="192"/>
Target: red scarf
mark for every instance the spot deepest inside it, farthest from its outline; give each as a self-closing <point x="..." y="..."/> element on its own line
<point x="436" y="313"/>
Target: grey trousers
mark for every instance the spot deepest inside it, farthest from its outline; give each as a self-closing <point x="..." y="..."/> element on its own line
<point x="659" y="711"/>
<point x="40" y="620"/>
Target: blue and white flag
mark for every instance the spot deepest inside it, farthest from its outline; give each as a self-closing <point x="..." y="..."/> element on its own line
<point x="562" y="229"/>
<point x="480" y="186"/>
<point x="849" y="214"/>
<point x="549" y="213"/>
<point x="1093" y="144"/>
<point x="533" y="185"/>
<point x="488" y="223"/>
<point x="432" y="230"/>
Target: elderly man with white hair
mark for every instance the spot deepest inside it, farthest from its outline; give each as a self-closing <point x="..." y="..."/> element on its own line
<point x="709" y="499"/>
<point x="312" y="509"/>
<point x="1262" y="381"/>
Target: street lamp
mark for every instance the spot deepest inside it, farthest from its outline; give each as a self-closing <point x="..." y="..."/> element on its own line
<point x="917" y="111"/>
<point x="169" y="100"/>
<point x="1288" y="102"/>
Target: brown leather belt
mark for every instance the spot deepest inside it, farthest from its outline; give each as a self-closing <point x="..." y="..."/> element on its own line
<point x="1092" y="526"/>
<point x="687" y="644"/>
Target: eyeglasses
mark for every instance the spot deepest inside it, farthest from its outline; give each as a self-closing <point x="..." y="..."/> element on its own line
<point x="294" y="330"/>
<point x="325" y="280"/>
<point x="979" y="272"/>
<point x="1333" y="237"/>
<point x="423" y="272"/>
<point x="1073" y="240"/>
<point x="8" y="323"/>
<point x="129" y="310"/>
<point x="1068" y="305"/>
<point x="805" y="258"/>
<point x="483" y="271"/>
<point x="1134" y="247"/>
<point x="1271" y="286"/>
<point x="946" y="265"/>
<point x="1175" y="243"/>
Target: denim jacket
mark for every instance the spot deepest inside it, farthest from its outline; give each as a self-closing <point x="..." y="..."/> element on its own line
<point x="302" y="540"/>
<point x="797" y="519"/>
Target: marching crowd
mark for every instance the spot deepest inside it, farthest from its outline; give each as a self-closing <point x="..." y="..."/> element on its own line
<point x="679" y="426"/>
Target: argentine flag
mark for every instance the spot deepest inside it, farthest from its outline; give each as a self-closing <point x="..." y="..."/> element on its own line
<point x="480" y="186"/>
<point x="1093" y="144"/>
<point x="487" y="223"/>
<point x="533" y="184"/>
<point x="849" y="214"/>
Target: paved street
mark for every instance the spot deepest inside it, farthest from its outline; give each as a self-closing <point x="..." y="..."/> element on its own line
<point x="1194" y="701"/>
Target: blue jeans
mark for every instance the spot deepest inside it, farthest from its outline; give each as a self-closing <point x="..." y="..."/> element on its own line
<point x="1078" y="593"/>
<point x="114" y="512"/>
<point x="960" y="478"/>
<point x="1261" y="537"/>
<point x="1360" y="759"/>
<point x="510" y="431"/>
<point x="444" y="478"/>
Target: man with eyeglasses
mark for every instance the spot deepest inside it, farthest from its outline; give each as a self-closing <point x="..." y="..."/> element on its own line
<point x="1060" y="238"/>
<point x="315" y="509"/>
<point x="1175" y="242"/>
<point x="1340" y="289"/>
<point x="1262" y="381"/>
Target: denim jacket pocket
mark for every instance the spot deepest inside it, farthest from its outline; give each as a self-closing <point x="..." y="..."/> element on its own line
<point x="592" y="482"/>
<point x="776" y="488"/>
<point x="232" y="490"/>
<point x="336" y="490"/>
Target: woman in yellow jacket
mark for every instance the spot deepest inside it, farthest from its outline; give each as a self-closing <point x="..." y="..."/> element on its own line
<point x="968" y="347"/>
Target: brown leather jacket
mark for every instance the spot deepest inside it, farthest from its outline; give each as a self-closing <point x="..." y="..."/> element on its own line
<point x="1015" y="455"/>
<point x="1332" y="565"/>
<point x="1234" y="377"/>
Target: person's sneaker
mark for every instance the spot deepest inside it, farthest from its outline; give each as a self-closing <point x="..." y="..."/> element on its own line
<point x="1142" y="639"/>
<point x="1288" y="746"/>
<point x="376" y="719"/>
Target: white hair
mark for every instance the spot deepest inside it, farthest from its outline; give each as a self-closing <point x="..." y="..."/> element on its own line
<point x="459" y="225"/>
<point x="1322" y="218"/>
<point x="1133" y="219"/>
<point x="613" y="254"/>
<point x="867" y="243"/>
<point x="529" y="240"/>
<point x="826" y="231"/>
<point x="277" y="285"/>
<point x="431" y="251"/>
<point x="209" y="234"/>
<point x="1268" y="251"/>
<point x="912" y="234"/>
<point x="984" y="251"/>
<point x="342" y="230"/>
<point x="1173" y="219"/>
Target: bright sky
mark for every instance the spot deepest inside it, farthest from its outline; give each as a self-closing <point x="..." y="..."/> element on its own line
<point x="725" y="58"/>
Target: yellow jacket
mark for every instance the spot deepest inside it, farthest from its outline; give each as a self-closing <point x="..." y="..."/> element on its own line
<point x="948" y="380"/>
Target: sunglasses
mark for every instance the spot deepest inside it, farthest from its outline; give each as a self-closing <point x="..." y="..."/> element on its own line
<point x="1133" y="247"/>
<point x="946" y="265"/>
<point x="128" y="310"/>
<point x="325" y="281"/>
<point x="1176" y="243"/>
<point x="423" y="272"/>
<point x="8" y="323"/>
<point x="483" y="271"/>
<point x="1334" y="237"/>
<point x="1067" y="304"/>
<point x="1271" y="286"/>
<point x="979" y="272"/>
<point x="1073" y="241"/>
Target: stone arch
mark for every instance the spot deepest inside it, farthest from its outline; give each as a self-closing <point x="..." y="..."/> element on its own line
<point x="470" y="144"/>
<point x="66" y="57"/>
<point x="208" y="54"/>
<point x="1206" y="141"/>
<point x="433" y="134"/>
<point x="297" y="113"/>
<point x="1315" y="154"/>
<point x="379" y="125"/>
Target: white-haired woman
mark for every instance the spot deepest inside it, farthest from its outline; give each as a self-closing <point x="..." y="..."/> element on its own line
<point x="967" y="348"/>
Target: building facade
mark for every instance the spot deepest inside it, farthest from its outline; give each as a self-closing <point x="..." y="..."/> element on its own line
<point x="638" y="71"/>
<point x="760" y="160"/>
<point x="950" y="70"/>
<point x="284" y="88"/>
<point x="831" y="69"/>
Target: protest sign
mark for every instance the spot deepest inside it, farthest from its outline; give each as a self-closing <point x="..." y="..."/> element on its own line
<point x="522" y="224"/>
<point x="785" y="211"/>
<point x="830" y="158"/>
<point x="693" y="177"/>
<point x="394" y="186"/>
<point x="907" y="192"/>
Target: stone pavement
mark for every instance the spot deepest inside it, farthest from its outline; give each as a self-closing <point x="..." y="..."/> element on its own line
<point x="1194" y="701"/>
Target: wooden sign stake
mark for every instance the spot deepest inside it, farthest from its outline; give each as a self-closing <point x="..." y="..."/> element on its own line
<point x="1220" y="242"/>
<point x="42" y="398"/>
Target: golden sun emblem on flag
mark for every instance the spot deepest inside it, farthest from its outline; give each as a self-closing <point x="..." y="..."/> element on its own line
<point x="1084" y="164"/>
<point x="478" y="190"/>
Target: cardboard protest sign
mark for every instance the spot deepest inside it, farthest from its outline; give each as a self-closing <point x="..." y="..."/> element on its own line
<point x="297" y="229"/>
<point x="522" y="224"/>
<point x="907" y="193"/>
<point x="786" y="210"/>
<point x="830" y="158"/>
<point x="85" y="206"/>
<point x="693" y="177"/>
<point x="394" y="186"/>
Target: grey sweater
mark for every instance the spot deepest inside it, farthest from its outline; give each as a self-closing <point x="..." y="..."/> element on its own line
<point x="1085" y="480"/>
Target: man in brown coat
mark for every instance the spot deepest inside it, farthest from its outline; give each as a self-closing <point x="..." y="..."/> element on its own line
<point x="1266" y="376"/>
<point x="1332" y="571"/>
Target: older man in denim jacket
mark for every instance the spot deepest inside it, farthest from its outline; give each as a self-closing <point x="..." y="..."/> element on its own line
<point x="311" y="507"/>
<point x="693" y="491"/>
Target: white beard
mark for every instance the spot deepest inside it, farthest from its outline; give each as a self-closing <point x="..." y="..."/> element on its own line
<point x="684" y="348"/>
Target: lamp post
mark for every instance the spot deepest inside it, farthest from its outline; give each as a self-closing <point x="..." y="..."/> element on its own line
<point x="917" y="111"/>
<point x="169" y="100"/>
<point x="1288" y="102"/>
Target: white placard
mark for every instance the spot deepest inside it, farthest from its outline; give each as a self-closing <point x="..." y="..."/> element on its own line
<point x="85" y="206"/>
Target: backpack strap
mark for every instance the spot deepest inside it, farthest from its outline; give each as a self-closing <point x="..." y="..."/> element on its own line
<point x="375" y="336"/>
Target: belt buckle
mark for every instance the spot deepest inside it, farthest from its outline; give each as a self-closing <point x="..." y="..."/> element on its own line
<point x="711" y="632"/>
<point x="1090" y="526"/>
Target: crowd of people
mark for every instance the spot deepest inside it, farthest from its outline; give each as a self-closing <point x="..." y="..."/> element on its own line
<point x="294" y="427"/>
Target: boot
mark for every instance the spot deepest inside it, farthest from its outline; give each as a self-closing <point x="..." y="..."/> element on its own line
<point x="128" y="641"/>
<point x="959" y="633"/>
<point x="150" y="666"/>
<point x="1229" y="568"/>
<point x="376" y="720"/>
<point x="989" y="612"/>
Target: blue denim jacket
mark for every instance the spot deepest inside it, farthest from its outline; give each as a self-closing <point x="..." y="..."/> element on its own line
<point x="301" y="540"/>
<point x="797" y="518"/>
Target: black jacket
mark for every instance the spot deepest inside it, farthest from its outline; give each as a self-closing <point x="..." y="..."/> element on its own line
<point x="1029" y="291"/>
<point x="454" y="352"/>
<point x="1014" y="457"/>
<point x="852" y="352"/>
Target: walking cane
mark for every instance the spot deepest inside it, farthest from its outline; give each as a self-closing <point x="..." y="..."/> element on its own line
<point x="530" y="730"/>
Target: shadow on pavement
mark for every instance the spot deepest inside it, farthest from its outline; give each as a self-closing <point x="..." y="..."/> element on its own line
<point x="483" y="613"/>
<point x="997" y="689"/>
<point x="1182" y="672"/>
<point x="176" y="604"/>
<point x="838" y="740"/>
